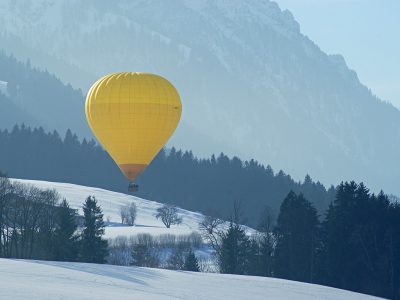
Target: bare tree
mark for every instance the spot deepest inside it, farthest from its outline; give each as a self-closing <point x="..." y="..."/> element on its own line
<point x="266" y="221"/>
<point x="123" y="213"/>
<point x="119" y="251"/>
<point x="266" y="240"/>
<point x="238" y="212"/>
<point x="128" y="214"/>
<point x="176" y="260"/>
<point x="32" y="219"/>
<point x="169" y="215"/>
<point x="5" y="194"/>
<point x="145" y="252"/>
<point x="28" y="220"/>
<point x="211" y="231"/>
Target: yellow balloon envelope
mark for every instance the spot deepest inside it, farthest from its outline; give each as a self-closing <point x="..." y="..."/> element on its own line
<point x="133" y="115"/>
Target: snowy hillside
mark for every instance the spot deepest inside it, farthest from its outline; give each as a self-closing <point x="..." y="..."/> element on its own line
<point x="111" y="203"/>
<point x="20" y="280"/>
<point x="252" y="84"/>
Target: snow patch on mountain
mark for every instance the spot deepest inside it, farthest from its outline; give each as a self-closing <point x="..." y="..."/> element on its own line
<point x="4" y="88"/>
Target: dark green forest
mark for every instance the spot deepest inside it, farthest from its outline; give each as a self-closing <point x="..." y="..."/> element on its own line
<point x="177" y="177"/>
<point x="356" y="245"/>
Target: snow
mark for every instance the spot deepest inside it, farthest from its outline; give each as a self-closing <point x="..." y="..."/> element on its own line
<point x="164" y="39"/>
<point x="4" y="88"/>
<point x="111" y="203"/>
<point x="20" y="279"/>
<point x="28" y="279"/>
<point x="185" y="50"/>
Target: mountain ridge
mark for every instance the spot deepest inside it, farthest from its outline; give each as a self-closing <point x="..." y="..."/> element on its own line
<point x="248" y="78"/>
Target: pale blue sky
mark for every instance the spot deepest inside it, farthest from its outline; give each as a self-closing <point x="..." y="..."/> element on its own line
<point x="365" y="32"/>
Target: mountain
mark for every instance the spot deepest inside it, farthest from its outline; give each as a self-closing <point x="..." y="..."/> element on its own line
<point x="252" y="84"/>
<point x="37" y="98"/>
<point x="12" y="114"/>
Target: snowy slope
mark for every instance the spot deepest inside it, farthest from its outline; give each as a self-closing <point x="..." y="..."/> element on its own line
<point x="111" y="202"/>
<point x="77" y="281"/>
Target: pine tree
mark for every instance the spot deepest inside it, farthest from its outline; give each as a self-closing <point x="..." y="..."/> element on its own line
<point x="360" y="242"/>
<point x="234" y="251"/>
<point x="339" y="244"/>
<point x="65" y="242"/>
<point x="296" y="239"/>
<point x="255" y="259"/>
<point x="191" y="262"/>
<point x="93" y="247"/>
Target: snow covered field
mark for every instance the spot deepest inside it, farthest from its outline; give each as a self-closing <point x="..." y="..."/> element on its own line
<point x="146" y="222"/>
<point x="111" y="202"/>
<point x="42" y="280"/>
<point x="24" y="279"/>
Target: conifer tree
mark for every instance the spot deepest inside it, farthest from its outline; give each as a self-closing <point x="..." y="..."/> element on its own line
<point x="360" y="242"/>
<point x="234" y="251"/>
<point x="296" y="239"/>
<point x="65" y="240"/>
<point x="93" y="247"/>
<point x="191" y="262"/>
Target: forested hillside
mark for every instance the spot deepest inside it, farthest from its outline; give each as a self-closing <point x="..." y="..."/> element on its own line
<point x="252" y="84"/>
<point x="36" y="97"/>
<point x="174" y="176"/>
<point x="10" y="113"/>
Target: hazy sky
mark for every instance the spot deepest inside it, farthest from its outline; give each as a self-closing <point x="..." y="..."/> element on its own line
<point x="365" y="32"/>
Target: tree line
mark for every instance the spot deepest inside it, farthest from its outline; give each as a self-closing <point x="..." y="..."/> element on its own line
<point x="37" y="224"/>
<point x="168" y="251"/>
<point x="214" y="183"/>
<point x="355" y="245"/>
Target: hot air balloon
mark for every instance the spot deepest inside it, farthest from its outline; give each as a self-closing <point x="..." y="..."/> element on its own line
<point x="133" y="115"/>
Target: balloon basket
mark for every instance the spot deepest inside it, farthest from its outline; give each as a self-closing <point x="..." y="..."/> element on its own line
<point x="133" y="187"/>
